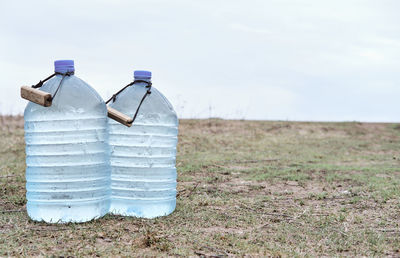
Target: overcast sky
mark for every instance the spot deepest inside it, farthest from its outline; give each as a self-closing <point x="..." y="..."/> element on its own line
<point x="287" y="60"/>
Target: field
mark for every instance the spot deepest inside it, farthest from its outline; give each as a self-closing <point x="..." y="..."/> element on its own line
<point x="244" y="188"/>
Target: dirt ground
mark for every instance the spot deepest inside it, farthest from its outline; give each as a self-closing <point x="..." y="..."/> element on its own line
<point x="255" y="188"/>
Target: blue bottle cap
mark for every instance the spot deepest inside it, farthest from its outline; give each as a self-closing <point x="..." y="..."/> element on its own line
<point x="63" y="66"/>
<point x="142" y="75"/>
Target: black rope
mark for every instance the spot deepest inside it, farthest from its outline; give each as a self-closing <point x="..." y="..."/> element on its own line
<point x="148" y="92"/>
<point x="114" y="96"/>
<point x="59" y="85"/>
<point x="40" y="83"/>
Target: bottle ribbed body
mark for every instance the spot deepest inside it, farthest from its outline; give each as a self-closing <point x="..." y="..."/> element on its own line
<point x="143" y="172"/>
<point x="67" y="173"/>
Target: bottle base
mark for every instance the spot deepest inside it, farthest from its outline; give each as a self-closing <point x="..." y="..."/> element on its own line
<point x="73" y="212"/>
<point x="142" y="208"/>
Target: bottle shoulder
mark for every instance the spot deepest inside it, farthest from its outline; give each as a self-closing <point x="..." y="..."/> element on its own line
<point x="154" y="109"/>
<point x="74" y="97"/>
<point x="131" y="97"/>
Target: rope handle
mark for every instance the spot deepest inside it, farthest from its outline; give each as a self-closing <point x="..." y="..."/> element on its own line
<point x="40" y="97"/>
<point x="40" y="83"/>
<point x="120" y="117"/>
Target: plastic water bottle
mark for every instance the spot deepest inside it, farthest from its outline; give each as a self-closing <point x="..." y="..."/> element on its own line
<point x="67" y="156"/>
<point x="143" y="173"/>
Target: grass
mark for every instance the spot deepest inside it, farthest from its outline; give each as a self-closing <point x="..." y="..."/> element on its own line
<point x="245" y="188"/>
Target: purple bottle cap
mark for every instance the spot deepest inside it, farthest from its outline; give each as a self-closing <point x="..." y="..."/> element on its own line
<point x="64" y="66"/>
<point x="142" y="75"/>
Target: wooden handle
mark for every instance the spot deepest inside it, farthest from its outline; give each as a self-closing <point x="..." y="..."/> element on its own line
<point x="37" y="96"/>
<point x="119" y="117"/>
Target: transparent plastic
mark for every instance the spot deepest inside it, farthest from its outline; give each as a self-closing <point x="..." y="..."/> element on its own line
<point x="67" y="156"/>
<point x="143" y="173"/>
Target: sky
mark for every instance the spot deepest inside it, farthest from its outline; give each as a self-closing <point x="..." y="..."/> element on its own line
<point x="267" y="60"/>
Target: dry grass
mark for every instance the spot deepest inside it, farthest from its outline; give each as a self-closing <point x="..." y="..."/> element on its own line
<point x="245" y="188"/>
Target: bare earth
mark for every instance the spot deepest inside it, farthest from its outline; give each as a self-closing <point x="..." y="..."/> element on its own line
<point x="244" y="188"/>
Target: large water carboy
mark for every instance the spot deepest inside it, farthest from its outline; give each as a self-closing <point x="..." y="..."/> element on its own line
<point x="143" y="156"/>
<point x="67" y="156"/>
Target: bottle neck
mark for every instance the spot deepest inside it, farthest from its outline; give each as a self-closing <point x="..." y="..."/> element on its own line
<point x="64" y="73"/>
<point x="142" y="79"/>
